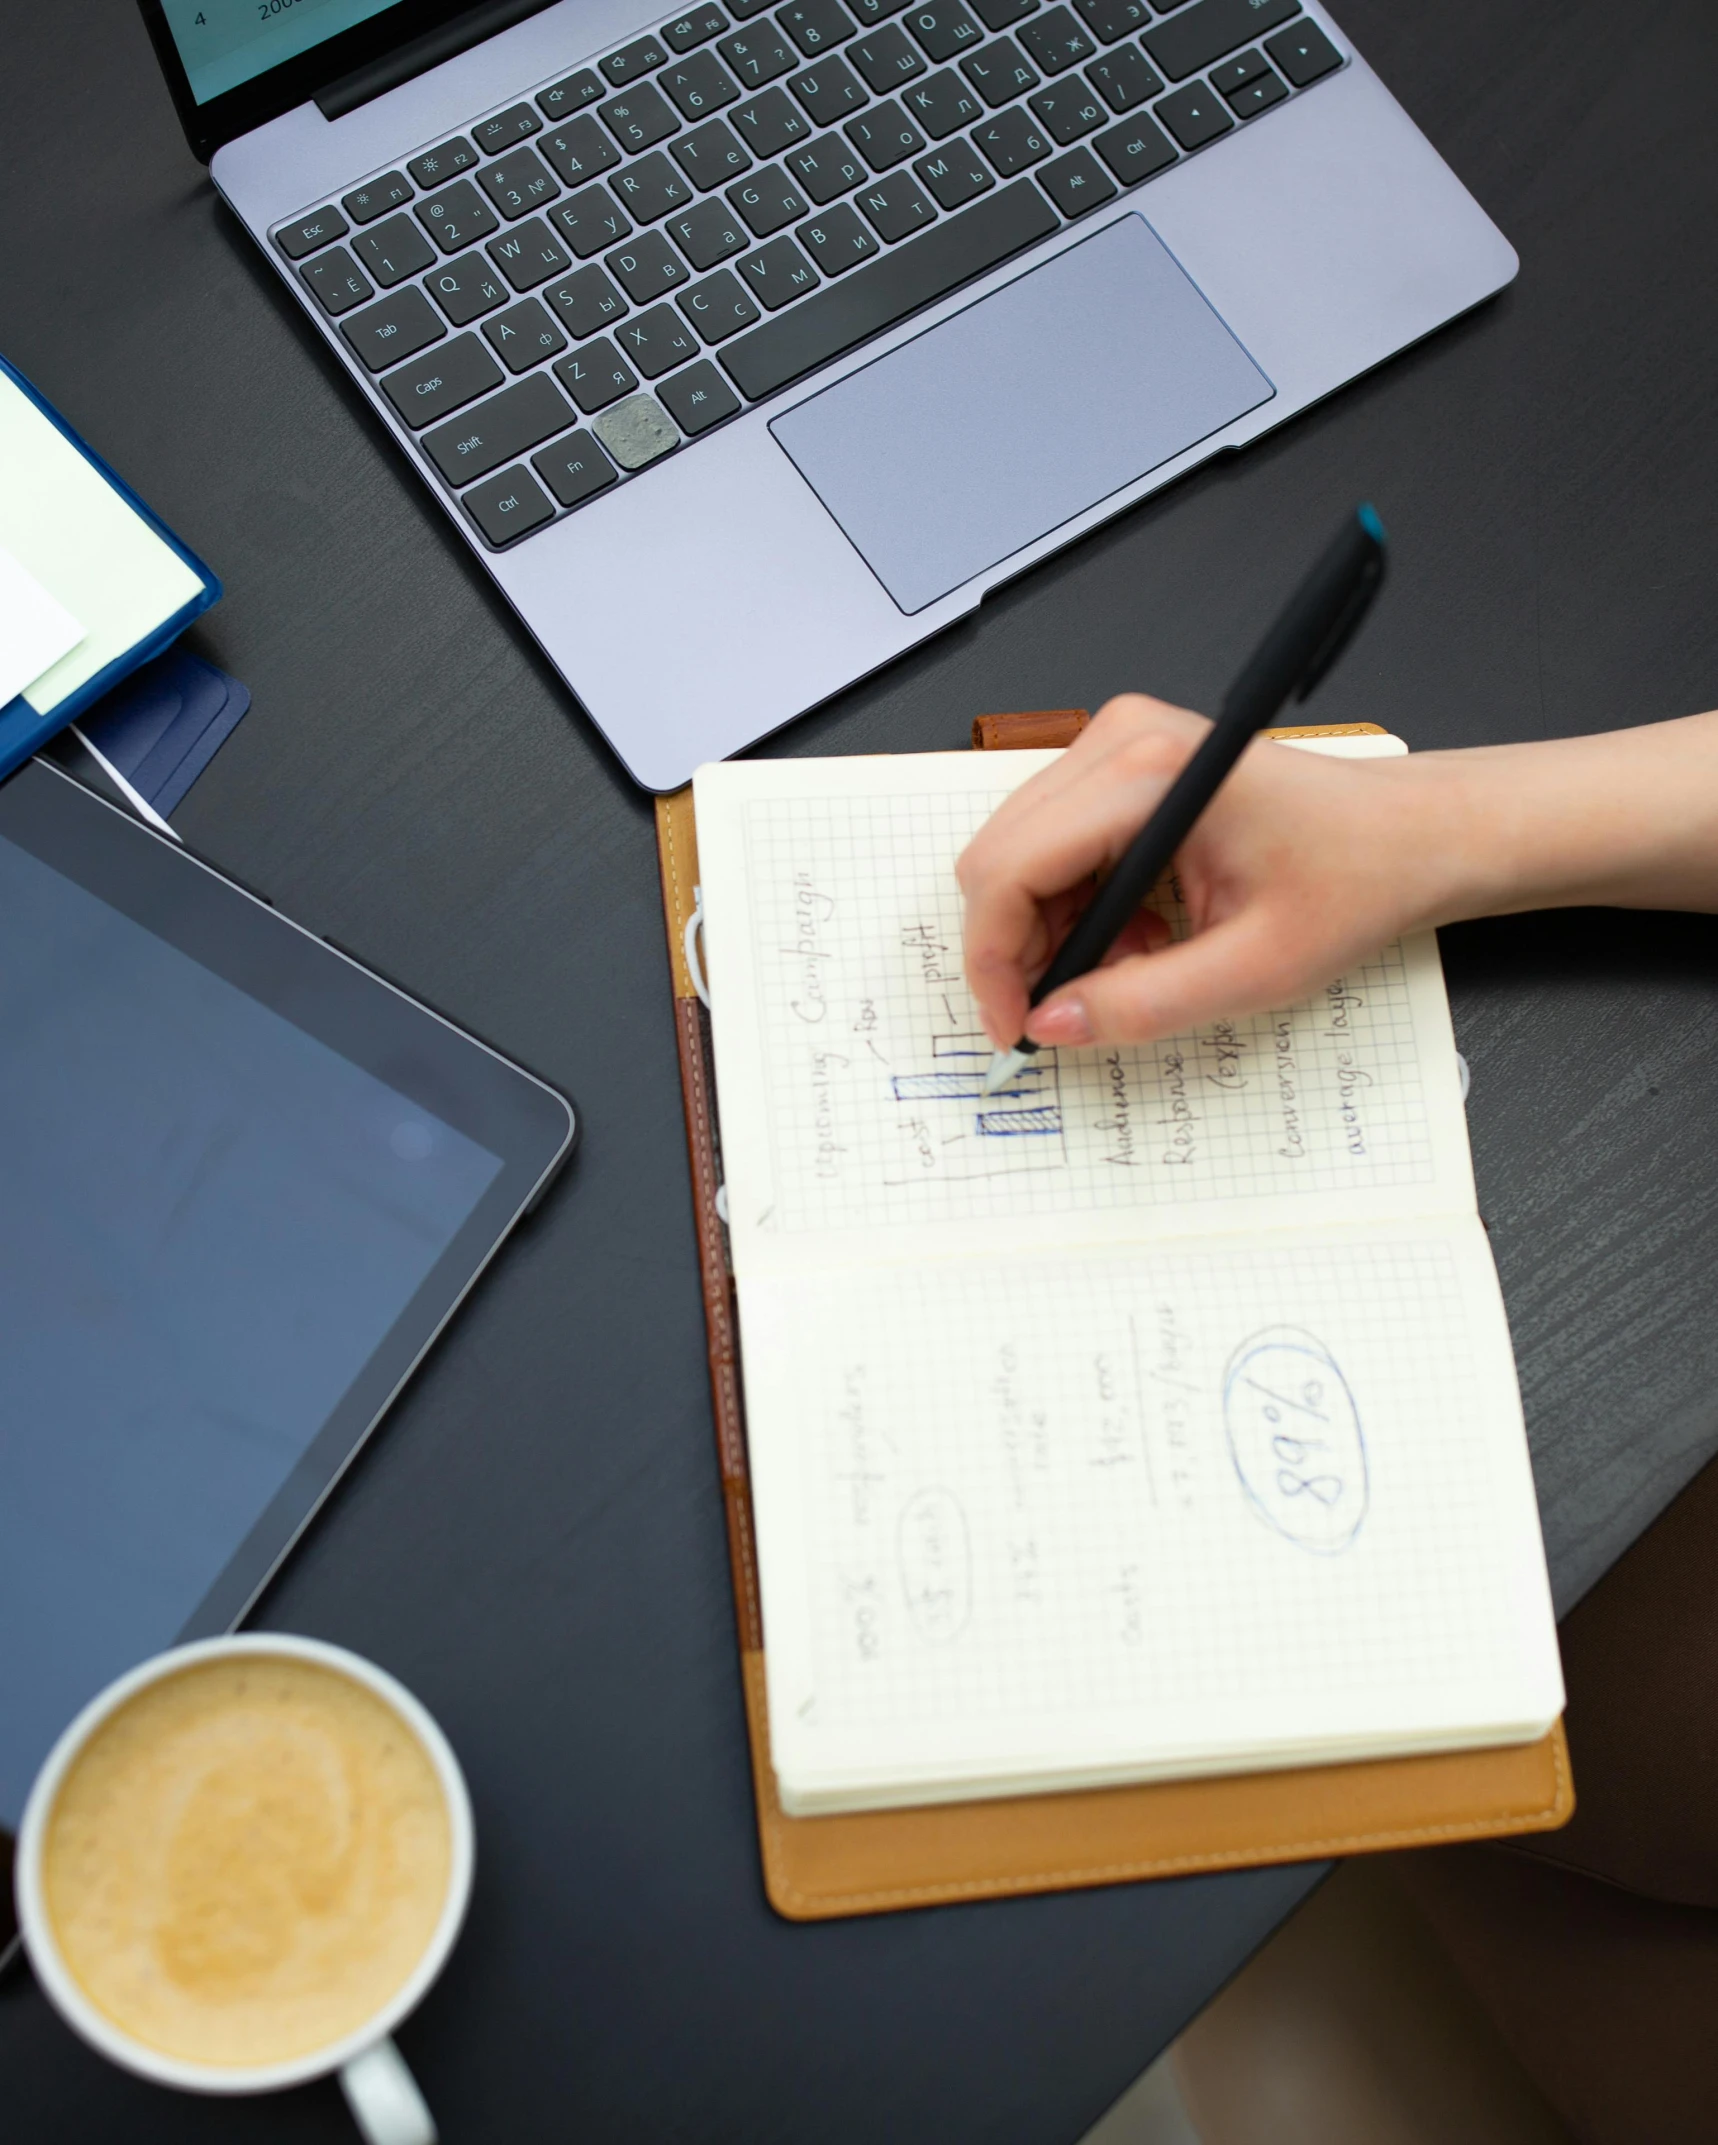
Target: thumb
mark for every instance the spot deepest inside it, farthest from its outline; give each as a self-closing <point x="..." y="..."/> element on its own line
<point x="1234" y="968"/>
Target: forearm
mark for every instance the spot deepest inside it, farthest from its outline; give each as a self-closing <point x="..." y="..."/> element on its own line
<point x="1624" y="820"/>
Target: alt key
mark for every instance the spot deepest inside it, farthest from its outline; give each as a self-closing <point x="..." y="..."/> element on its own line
<point x="508" y="506"/>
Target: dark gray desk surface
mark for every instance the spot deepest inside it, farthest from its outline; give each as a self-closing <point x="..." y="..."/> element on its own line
<point x="534" y="1541"/>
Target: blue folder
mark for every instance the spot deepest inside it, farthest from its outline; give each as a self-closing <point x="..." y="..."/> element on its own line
<point x="22" y="727"/>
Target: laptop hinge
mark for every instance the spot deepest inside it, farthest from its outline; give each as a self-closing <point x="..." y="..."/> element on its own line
<point x="421" y="54"/>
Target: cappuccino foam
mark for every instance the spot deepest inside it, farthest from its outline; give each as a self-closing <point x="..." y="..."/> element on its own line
<point x="247" y="1860"/>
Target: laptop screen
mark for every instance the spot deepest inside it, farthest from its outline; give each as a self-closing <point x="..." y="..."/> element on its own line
<point x="225" y="42"/>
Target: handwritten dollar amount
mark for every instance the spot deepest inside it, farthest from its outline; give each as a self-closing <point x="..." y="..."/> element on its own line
<point x="1295" y="1438"/>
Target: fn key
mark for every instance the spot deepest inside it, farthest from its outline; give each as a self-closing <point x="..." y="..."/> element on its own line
<point x="509" y="506"/>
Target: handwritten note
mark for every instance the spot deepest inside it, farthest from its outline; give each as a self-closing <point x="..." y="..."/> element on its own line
<point x="874" y="1059"/>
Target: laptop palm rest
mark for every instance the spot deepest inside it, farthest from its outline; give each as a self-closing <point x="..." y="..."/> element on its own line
<point x="1006" y="420"/>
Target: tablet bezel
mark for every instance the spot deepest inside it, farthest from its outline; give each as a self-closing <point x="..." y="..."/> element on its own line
<point x="236" y="934"/>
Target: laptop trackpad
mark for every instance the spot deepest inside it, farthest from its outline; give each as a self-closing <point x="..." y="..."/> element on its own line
<point x="1011" y="417"/>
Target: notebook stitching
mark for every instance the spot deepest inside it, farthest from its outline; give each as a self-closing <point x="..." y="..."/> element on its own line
<point x="1167" y="1865"/>
<point x="709" y="1230"/>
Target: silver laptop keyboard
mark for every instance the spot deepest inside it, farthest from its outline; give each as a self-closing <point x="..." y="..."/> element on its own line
<point x="600" y="273"/>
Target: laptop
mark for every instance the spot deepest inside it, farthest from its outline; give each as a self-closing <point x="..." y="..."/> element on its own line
<point x="750" y="348"/>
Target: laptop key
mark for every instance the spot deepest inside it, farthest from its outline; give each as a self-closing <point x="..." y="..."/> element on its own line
<point x="394" y="250"/>
<point x="1110" y="20"/>
<point x="638" y="432"/>
<point x="1210" y="30"/>
<point x="590" y="221"/>
<point x="1236" y="73"/>
<point x="508" y="506"/>
<point x="640" y="119"/>
<point x="1069" y="109"/>
<point x="584" y="302"/>
<point x="944" y="28"/>
<point x="466" y="288"/>
<point x="769" y="124"/>
<point x="1012" y="142"/>
<point x="574" y="469"/>
<point x="1194" y="115"/>
<point x="524" y="335"/>
<point x="365" y="203"/>
<point x="493" y="432"/>
<point x="647" y="267"/>
<point x="337" y="282"/>
<point x="707" y="234"/>
<point x="955" y="174"/>
<point x="696" y="27"/>
<point x="1124" y="78"/>
<point x="447" y="162"/>
<point x="579" y="150"/>
<point x="1077" y="183"/>
<point x="697" y="398"/>
<point x="516" y="124"/>
<point x="1257" y="95"/>
<point x="650" y="188"/>
<point x="457" y="216"/>
<point x="1003" y="14"/>
<point x="310" y="233"/>
<point x="1056" y="41"/>
<point x="884" y="136"/>
<point x="826" y="169"/>
<point x="595" y="376"/>
<point x="529" y="254"/>
<point x="816" y="25"/>
<point x="1136" y="149"/>
<point x="634" y="60"/>
<point x="828" y="91"/>
<point x="887" y="58"/>
<point x="403" y="324"/>
<point x="895" y="208"/>
<point x="758" y="56"/>
<point x="768" y="201"/>
<point x="718" y="307"/>
<point x="699" y="86"/>
<point x="710" y="156"/>
<point x="836" y="240"/>
<point x="943" y="104"/>
<point x="1304" y="54"/>
<point x="518" y="184"/>
<point x="571" y="96"/>
<point x="872" y="12"/>
<point x="744" y="10"/>
<point x="883" y="292"/>
<point x="1000" y="72"/>
<point x="778" y="272"/>
<point x="432" y="387"/>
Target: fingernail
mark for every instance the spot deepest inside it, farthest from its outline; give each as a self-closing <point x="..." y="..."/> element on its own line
<point x="1063" y="1022"/>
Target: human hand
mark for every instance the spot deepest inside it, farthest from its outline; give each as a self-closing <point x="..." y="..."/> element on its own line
<point x="1301" y="865"/>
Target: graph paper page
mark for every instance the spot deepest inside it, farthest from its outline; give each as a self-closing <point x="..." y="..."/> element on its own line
<point x="850" y="1060"/>
<point x="1116" y="1514"/>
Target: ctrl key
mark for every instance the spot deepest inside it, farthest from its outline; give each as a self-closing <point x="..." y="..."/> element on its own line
<point x="509" y="506"/>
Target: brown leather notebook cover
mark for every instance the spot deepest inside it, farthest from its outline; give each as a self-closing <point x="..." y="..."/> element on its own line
<point x="818" y="1868"/>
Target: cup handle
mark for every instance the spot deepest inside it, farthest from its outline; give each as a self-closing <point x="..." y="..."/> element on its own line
<point x="384" y="2098"/>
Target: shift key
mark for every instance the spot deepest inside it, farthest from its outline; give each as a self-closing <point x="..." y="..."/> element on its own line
<point x="1204" y="32"/>
<point x="496" y="431"/>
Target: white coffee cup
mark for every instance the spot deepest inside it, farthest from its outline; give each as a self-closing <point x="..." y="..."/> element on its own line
<point x="379" y="2089"/>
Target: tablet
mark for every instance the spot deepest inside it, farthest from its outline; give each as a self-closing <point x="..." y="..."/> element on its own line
<point x="243" y="1185"/>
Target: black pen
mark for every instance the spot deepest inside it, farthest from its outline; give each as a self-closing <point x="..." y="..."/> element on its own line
<point x="1294" y="655"/>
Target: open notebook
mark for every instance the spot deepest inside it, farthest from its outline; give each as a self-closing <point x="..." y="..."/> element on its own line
<point x="1156" y="1417"/>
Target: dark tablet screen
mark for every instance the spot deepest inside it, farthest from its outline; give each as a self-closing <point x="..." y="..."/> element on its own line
<point x="242" y="1183"/>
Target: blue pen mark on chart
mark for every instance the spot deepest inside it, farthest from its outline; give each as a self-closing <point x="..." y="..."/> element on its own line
<point x="1295" y="1438"/>
<point x="943" y="1128"/>
<point x="1021" y="1124"/>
